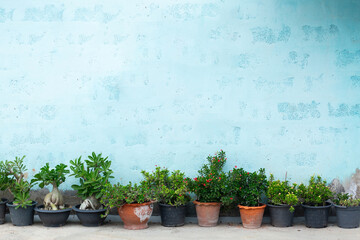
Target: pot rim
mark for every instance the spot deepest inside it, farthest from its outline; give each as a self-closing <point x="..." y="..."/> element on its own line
<point x="37" y="209"/>
<point x="207" y="203"/>
<point x="168" y="205"/>
<point x="345" y="207"/>
<point x="138" y="204"/>
<point x="280" y="206"/>
<point x="328" y="205"/>
<point x="76" y="209"/>
<point x="262" y="205"/>
<point x="4" y="201"/>
<point x="10" y="204"/>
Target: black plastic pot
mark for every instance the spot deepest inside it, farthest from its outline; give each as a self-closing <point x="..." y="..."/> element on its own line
<point x="56" y="218"/>
<point x="21" y="216"/>
<point x="280" y="215"/>
<point x="316" y="217"/>
<point x="90" y="218"/>
<point x="172" y="216"/>
<point x="347" y="217"/>
<point x="3" y="210"/>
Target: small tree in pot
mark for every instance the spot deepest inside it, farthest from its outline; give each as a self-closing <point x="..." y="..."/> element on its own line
<point x="210" y="187"/>
<point x="53" y="212"/>
<point x="282" y="198"/>
<point x="347" y="211"/>
<point x="314" y="198"/>
<point x="5" y="182"/>
<point x="248" y="188"/>
<point x="94" y="173"/>
<point x="171" y="191"/>
<point x="22" y="208"/>
<point x="134" y="203"/>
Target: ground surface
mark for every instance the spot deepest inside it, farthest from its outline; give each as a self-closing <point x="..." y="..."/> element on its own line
<point x="115" y="230"/>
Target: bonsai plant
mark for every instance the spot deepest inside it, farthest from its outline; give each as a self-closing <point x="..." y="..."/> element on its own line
<point x="314" y="198"/>
<point x="248" y="189"/>
<point x="282" y="197"/>
<point x="21" y="208"/>
<point x="347" y="210"/>
<point x="171" y="192"/>
<point x="93" y="174"/>
<point x="53" y="213"/>
<point x="133" y="202"/>
<point x="210" y="187"/>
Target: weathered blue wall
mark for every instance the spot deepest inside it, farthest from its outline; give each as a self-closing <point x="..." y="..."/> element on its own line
<point x="276" y="84"/>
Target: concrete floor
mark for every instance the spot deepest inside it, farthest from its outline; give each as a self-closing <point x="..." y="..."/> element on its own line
<point x="115" y="230"/>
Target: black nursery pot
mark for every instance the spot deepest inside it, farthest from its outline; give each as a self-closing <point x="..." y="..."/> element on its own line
<point x="316" y="217"/>
<point x="347" y="217"/>
<point x="280" y="215"/>
<point x="3" y="210"/>
<point x="90" y="218"/>
<point x="172" y="216"/>
<point x="53" y="218"/>
<point x="22" y="216"/>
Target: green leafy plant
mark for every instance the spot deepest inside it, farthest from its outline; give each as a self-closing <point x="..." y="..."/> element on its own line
<point x="211" y="184"/>
<point x="316" y="193"/>
<point x="247" y="188"/>
<point x="282" y="193"/>
<point x="54" y="199"/>
<point x="169" y="188"/>
<point x="93" y="175"/>
<point x="116" y="195"/>
<point x="344" y="199"/>
<point x="13" y="180"/>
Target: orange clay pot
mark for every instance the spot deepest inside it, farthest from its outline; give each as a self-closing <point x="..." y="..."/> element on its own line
<point x="207" y="213"/>
<point x="136" y="215"/>
<point x="252" y="217"/>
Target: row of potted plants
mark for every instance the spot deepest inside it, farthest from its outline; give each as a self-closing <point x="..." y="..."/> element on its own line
<point x="212" y="188"/>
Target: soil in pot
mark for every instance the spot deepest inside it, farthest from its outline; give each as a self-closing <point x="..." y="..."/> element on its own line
<point x="252" y="217"/>
<point x="172" y="216"/>
<point x="207" y="213"/>
<point x="53" y="218"/>
<point x="316" y="217"/>
<point x="3" y="210"/>
<point x="136" y="215"/>
<point x="347" y="217"/>
<point x="90" y="218"/>
<point x="280" y="215"/>
<point x="22" y="216"/>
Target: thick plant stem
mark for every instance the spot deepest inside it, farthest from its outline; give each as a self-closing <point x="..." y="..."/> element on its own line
<point x="90" y="203"/>
<point x="54" y="199"/>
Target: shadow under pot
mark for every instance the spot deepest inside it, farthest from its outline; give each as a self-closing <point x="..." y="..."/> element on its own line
<point x="21" y="216"/>
<point x="53" y="218"/>
<point x="280" y="215"/>
<point x="90" y="218"/>
<point x="252" y="217"/>
<point x="316" y="217"/>
<point x="207" y="213"/>
<point x="3" y="203"/>
<point x="347" y="217"/>
<point x="136" y="215"/>
<point x="172" y="216"/>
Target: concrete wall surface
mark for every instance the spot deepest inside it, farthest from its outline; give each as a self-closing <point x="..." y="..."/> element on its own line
<point x="275" y="84"/>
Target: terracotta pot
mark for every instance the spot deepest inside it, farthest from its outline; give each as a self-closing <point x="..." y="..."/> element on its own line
<point x="251" y="217"/>
<point x="136" y="215"/>
<point x="207" y="213"/>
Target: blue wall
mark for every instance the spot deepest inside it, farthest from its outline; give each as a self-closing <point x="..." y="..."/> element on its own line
<point x="276" y="84"/>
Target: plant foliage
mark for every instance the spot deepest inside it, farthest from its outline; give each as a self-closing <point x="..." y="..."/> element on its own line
<point x="316" y="193"/>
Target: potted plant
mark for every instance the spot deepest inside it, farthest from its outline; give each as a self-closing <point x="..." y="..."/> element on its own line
<point x="282" y="197"/>
<point x="93" y="174"/>
<point x="347" y="211"/>
<point x="21" y="208"/>
<point x="314" y="199"/>
<point x="133" y="202"/>
<point x="170" y="190"/>
<point x="248" y="189"/>
<point x="5" y="182"/>
<point x="210" y="189"/>
<point x="53" y="213"/>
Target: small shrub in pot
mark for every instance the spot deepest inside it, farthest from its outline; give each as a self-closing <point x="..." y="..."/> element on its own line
<point x="347" y="211"/>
